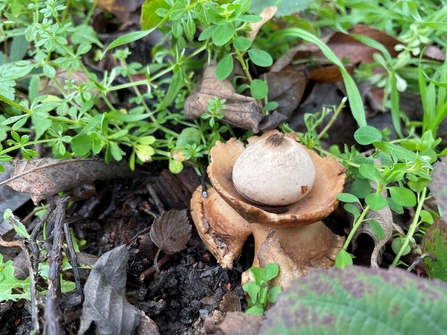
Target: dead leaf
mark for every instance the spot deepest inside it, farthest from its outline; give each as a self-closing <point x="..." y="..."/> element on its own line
<point x="438" y="185"/>
<point x="42" y="178"/>
<point x="241" y="111"/>
<point x="385" y="219"/>
<point x="147" y="326"/>
<point x="270" y="251"/>
<point x="435" y="53"/>
<point x="345" y="46"/>
<point x="120" y="8"/>
<point x="230" y="302"/>
<point x="235" y="323"/>
<point x="105" y="302"/>
<point x="329" y="73"/>
<point x="286" y="88"/>
<point x="299" y="51"/>
<point x="171" y="231"/>
<point x="266" y="14"/>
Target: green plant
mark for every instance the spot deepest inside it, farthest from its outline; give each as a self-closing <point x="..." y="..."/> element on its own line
<point x="260" y="294"/>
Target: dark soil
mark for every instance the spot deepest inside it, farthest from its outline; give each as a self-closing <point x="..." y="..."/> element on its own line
<point x="190" y="285"/>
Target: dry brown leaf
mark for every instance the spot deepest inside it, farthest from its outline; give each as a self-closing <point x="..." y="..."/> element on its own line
<point x="328" y="74"/>
<point x="271" y="252"/>
<point x="385" y="219"/>
<point x="235" y="323"/>
<point x="297" y="52"/>
<point x="346" y="46"/>
<point x="230" y="302"/>
<point x="435" y="53"/>
<point x="42" y="178"/>
<point x="241" y="111"/>
<point x="266" y="14"/>
<point x="171" y="231"/>
<point x="286" y="88"/>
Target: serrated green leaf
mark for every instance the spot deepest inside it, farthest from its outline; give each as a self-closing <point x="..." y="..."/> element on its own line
<point x="224" y="67"/>
<point x="260" y="57"/>
<point x="9" y="283"/>
<point x="435" y="243"/>
<point x="359" y="300"/>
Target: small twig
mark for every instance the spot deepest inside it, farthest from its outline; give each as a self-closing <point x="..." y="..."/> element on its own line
<point x="154" y="196"/>
<point x="151" y="271"/>
<point x="73" y="260"/>
<point x="53" y="313"/>
<point x="420" y="259"/>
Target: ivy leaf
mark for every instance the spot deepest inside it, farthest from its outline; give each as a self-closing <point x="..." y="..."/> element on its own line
<point x="171" y="231"/>
<point x="334" y="301"/>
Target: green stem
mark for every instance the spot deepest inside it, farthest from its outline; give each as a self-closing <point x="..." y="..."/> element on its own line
<point x="16" y="147"/>
<point x="334" y="117"/>
<point x="355" y="227"/>
<point x="413" y="226"/>
<point x="244" y="65"/>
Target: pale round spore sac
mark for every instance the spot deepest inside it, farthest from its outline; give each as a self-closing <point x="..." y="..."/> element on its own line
<point x="274" y="171"/>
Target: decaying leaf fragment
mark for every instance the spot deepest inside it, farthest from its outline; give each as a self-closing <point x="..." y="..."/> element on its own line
<point x="235" y="323"/>
<point x="438" y="185"/>
<point x="271" y="252"/>
<point x="171" y="231"/>
<point x="241" y="111"/>
<point x="286" y="88"/>
<point x="105" y="302"/>
<point x="384" y="218"/>
<point x="42" y="178"/>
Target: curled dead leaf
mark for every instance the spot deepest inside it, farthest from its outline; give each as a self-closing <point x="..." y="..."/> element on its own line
<point x="43" y="178"/>
<point x="171" y="231"/>
<point x="266" y="14"/>
<point x="286" y="88"/>
<point x="241" y="111"/>
<point x="384" y="218"/>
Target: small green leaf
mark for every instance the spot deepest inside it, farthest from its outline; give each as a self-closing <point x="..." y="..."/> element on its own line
<point x="81" y="145"/>
<point x="224" y="67"/>
<point x="397" y="244"/>
<point x="127" y="39"/>
<point x="343" y="259"/>
<point x="272" y="105"/>
<point x="258" y="274"/>
<point x="367" y="135"/>
<point x="402" y="196"/>
<point x="361" y="188"/>
<point x="273" y="293"/>
<point x="208" y="32"/>
<point x="347" y="197"/>
<point x="255" y="310"/>
<point x="377" y="229"/>
<point x="395" y="207"/>
<point x="271" y="271"/>
<point x="253" y="290"/>
<point x="369" y="172"/>
<point x="426" y="217"/>
<point x="242" y="43"/>
<point x="259" y="89"/>
<point x="376" y="201"/>
<point x="175" y="166"/>
<point x="223" y="35"/>
<point x="350" y="208"/>
<point x="260" y="57"/>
